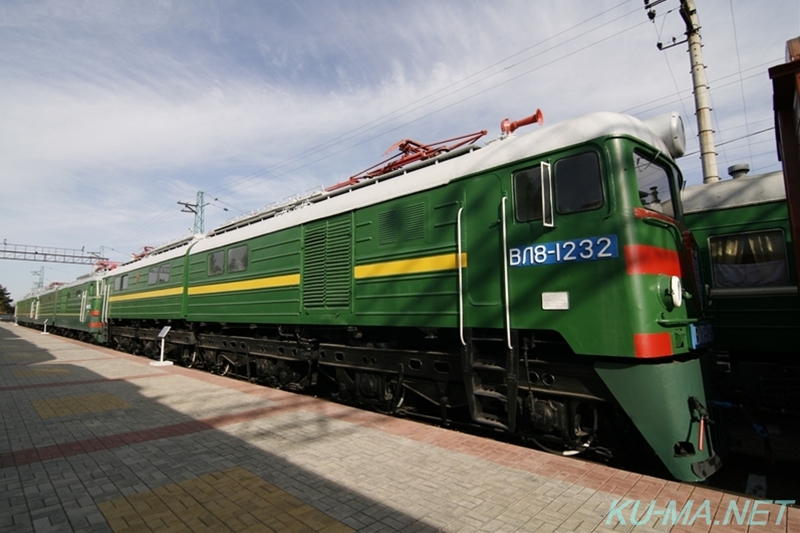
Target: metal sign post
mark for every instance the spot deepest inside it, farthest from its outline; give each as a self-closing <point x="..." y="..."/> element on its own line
<point x="162" y="335"/>
<point x="45" y="327"/>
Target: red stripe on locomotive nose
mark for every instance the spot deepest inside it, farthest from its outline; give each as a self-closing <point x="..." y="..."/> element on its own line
<point x="644" y="259"/>
<point x="652" y="344"/>
<point x="95" y="324"/>
<point x="95" y="312"/>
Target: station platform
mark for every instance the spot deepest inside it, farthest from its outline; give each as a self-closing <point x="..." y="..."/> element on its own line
<point x="93" y="440"/>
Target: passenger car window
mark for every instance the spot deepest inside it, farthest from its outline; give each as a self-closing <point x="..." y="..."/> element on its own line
<point x="577" y="183"/>
<point x="216" y="262"/>
<point x="654" y="190"/>
<point x="754" y="259"/>
<point x="237" y="259"/>
<point x="528" y="194"/>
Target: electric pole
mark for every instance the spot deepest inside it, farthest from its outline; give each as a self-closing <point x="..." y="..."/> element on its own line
<point x="40" y="273"/>
<point x="702" y="101"/>
<point x="198" y="208"/>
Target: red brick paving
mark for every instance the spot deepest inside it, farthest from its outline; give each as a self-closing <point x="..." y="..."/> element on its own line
<point x="571" y="470"/>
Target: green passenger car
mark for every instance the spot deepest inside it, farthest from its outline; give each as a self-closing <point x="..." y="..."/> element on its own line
<point x="745" y="242"/>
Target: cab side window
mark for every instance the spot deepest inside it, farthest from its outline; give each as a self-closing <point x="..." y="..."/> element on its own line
<point x="577" y="183"/>
<point x="528" y="194"/>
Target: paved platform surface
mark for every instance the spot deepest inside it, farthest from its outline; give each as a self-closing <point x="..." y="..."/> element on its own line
<point x="93" y="440"/>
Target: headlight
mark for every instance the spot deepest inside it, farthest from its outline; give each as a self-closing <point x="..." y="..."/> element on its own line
<point x="676" y="290"/>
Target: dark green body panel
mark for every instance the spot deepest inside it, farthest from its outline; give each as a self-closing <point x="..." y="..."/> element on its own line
<point x="150" y="307"/>
<point x="656" y="397"/>
<point x="272" y="255"/>
<point x="758" y="321"/>
<point x="23" y="311"/>
<point x="70" y="300"/>
<point x="47" y="308"/>
<point x="422" y="225"/>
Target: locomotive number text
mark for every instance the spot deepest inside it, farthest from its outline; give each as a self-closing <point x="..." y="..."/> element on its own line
<point x="576" y="250"/>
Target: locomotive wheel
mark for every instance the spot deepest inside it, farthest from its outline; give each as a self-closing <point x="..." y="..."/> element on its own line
<point x="189" y="358"/>
<point x="584" y="431"/>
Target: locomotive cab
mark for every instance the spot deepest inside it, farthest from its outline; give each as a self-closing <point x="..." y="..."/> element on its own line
<point x="603" y="273"/>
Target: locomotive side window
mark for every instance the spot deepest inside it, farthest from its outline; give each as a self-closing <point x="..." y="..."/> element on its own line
<point x="117" y="283"/>
<point x="216" y="262"/>
<point x="654" y="189"/>
<point x="124" y="282"/>
<point x="577" y="183"/>
<point x="528" y="194"/>
<point x="237" y="259"/>
<point x="163" y="273"/>
<point x="152" y="276"/>
<point x="754" y="259"/>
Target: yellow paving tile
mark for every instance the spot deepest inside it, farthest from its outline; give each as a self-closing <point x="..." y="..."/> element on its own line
<point x="40" y="372"/>
<point x="230" y="500"/>
<point x="24" y="358"/>
<point x="78" y="405"/>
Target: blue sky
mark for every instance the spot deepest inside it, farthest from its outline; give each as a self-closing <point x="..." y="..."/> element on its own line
<point x="111" y="112"/>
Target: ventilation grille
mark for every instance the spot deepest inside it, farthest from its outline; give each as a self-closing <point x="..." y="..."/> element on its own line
<point x="388" y="227"/>
<point x="327" y="264"/>
<point x="414" y="222"/>
<point x="397" y="225"/>
<point x="338" y="267"/>
<point x="314" y="266"/>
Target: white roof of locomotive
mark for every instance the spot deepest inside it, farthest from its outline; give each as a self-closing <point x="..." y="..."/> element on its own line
<point x="86" y="278"/>
<point x="736" y="192"/>
<point x="493" y="155"/>
<point x="169" y="251"/>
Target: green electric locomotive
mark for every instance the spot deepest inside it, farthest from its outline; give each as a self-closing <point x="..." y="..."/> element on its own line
<point x="541" y="285"/>
<point x="73" y="309"/>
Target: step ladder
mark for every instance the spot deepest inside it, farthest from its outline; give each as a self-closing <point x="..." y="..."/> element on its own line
<point x="489" y="366"/>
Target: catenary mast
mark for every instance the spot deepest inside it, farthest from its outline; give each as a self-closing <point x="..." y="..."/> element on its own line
<point x="702" y="100"/>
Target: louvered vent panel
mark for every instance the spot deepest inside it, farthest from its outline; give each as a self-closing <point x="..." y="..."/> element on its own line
<point x="388" y="227"/>
<point x="314" y="266"/>
<point x="414" y="222"/>
<point x="338" y="264"/>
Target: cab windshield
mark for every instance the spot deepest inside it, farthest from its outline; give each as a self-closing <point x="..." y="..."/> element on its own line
<point x="653" y="179"/>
